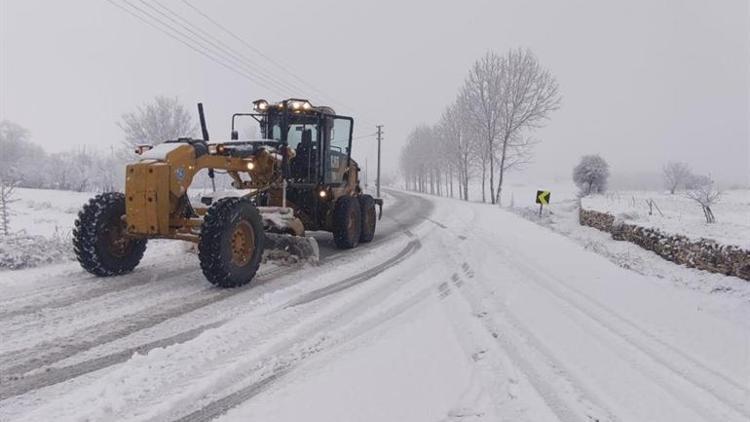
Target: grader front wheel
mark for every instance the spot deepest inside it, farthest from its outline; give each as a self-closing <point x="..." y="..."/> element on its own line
<point x="100" y="241"/>
<point x="231" y="242"/>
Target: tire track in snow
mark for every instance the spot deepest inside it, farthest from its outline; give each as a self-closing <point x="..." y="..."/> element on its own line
<point x="224" y="404"/>
<point x="519" y="350"/>
<point x="314" y="295"/>
<point x="13" y="383"/>
<point x="20" y="384"/>
<point x="113" y="285"/>
<point x="350" y="328"/>
<point x="25" y="360"/>
<point x="540" y="377"/>
<point x="598" y="315"/>
<point x="57" y="375"/>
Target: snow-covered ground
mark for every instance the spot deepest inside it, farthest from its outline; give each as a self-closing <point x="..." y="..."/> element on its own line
<point x="457" y="312"/>
<point x="46" y="212"/>
<point x="680" y="215"/>
<point x="40" y="226"/>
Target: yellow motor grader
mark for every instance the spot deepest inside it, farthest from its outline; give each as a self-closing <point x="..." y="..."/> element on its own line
<point x="299" y="176"/>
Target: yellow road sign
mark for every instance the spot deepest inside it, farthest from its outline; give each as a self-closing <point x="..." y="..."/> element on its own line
<point x="542" y="197"/>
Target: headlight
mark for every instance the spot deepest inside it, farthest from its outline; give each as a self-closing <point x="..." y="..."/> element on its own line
<point x="260" y="105"/>
<point x="250" y="165"/>
<point x="298" y="105"/>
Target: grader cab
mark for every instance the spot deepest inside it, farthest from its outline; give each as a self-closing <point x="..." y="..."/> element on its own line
<point x="298" y="177"/>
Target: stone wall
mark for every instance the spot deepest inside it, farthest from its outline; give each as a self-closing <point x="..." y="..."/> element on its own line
<point x="704" y="254"/>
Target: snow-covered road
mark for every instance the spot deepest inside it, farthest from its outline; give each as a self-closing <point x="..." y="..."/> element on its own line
<point x="457" y="312"/>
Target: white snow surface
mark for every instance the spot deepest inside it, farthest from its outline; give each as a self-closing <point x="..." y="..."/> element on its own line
<point x="680" y="215"/>
<point x="474" y="314"/>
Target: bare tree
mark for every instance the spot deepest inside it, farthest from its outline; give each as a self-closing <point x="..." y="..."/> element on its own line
<point x="161" y="120"/>
<point x="457" y="145"/>
<point x="591" y="174"/>
<point x="529" y="94"/>
<point x="482" y="95"/>
<point x="705" y="193"/>
<point x="7" y="192"/>
<point x="675" y="175"/>
<point x="19" y="155"/>
<point x="487" y="129"/>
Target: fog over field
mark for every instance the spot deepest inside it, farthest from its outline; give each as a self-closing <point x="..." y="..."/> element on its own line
<point x="642" y="82"/>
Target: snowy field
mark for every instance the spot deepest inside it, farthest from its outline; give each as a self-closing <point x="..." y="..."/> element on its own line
<point x="45" y="212"/>
<point x="680" y="215"/>
<point x="40" y="226"/>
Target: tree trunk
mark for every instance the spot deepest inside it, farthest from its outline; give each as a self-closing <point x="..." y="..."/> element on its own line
<point x="492" y="176"/>
<point x="502" y="171"/>
<point x="450" y="176"/>
<point x="484" y="180"/>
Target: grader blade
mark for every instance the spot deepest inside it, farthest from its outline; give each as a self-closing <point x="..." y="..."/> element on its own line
<point x="301" y="248"/>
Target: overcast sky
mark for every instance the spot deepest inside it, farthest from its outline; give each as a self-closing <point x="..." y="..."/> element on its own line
<point x="643" y="81"/>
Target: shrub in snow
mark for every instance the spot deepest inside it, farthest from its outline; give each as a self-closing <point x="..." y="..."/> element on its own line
<point x="705" y="193"/>
<point x="591" y="174"/>
<point x="19" y="251"/>
<point x="7" y="188"/>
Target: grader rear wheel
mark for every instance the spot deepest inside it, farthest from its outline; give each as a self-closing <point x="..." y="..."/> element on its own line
<point x="347" y="224"/>
<point x="369" y="218"/>
<point x="231" y="242"/>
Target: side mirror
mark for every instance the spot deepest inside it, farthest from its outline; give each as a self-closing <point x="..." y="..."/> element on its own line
<point x="235" y="135"/>
<point x="141" y="148"/>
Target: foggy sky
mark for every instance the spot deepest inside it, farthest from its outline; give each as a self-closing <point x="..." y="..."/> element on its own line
<point x="643" y="81"/>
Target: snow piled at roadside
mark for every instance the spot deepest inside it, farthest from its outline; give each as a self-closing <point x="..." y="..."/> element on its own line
<point x="26" y="251"/>
<point x="562" y="217"/>
<point x="41" y="224"/>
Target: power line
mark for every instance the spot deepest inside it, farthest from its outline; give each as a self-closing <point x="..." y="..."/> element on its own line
<point x="217" y="60"/>
<point x="206" y="44"/>
<point x="220" y="45"/>
<point x="260" y="53"/>
<point x="213" y="48"/>
<point x="364" y="136"/>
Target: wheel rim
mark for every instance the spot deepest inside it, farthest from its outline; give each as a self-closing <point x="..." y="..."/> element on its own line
<point x="117" y="242"/>
<point x="242" y="243"/>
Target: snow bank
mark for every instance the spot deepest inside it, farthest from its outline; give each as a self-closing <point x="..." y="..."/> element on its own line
<point x="25" y="251"/>
<point x="41" y="224"/>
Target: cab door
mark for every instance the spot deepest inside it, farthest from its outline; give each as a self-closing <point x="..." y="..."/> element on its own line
<point x="337" y="149"/>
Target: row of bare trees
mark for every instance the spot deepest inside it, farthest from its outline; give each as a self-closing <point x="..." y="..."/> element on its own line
<point x="24" y="164"/>
<point x="486" y="131"/>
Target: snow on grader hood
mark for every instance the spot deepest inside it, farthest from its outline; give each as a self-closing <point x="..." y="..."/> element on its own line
<point x="299" y="177"/>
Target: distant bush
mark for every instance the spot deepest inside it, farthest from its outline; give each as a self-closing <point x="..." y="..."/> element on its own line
<point x="591" y="175"/>
<point x="19" y="251"/>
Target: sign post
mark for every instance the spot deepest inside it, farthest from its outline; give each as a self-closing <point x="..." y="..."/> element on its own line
<point x="542" y="198"/>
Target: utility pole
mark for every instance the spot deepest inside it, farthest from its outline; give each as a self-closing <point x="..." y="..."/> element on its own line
<point x="380" y="137"/>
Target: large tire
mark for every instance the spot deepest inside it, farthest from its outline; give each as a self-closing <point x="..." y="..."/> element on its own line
<point x="369" y="218"/>
<point x="347" y="225"/>
<point x="99" y="239"/>
<point x="231" y="242"/>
